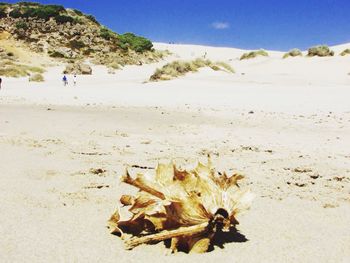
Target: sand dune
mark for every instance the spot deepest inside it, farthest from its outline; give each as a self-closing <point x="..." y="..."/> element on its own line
<point x="283" y="123"/>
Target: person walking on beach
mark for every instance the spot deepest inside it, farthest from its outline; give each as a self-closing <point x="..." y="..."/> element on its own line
<point x="74" y="79"/>
<point x="0" y="82"/>
<point x="65" y="80"/>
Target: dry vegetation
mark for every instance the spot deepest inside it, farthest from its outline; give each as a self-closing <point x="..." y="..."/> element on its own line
<point x="254" y="54"/>
<point x="345" y="52"/>
<point x="293" y="53"/>
<point x="16" y="70"/>
<point x="190" y="209"/>
<point x="179" y="68"/>
<point x="37" y="78"/>
<point x="320" y="51"/>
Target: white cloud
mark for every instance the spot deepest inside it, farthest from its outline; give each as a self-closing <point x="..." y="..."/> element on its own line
<point x="220" y="25"/>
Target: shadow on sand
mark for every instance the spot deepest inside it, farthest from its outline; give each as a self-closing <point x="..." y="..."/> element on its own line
<point x="222" y="238"/>
<point x="219" y="240"/>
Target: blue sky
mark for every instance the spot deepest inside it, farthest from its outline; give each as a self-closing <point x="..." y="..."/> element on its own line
<point x="249" y="24"/>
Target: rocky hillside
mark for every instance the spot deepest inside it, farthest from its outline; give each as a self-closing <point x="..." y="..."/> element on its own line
<point x="69" y="36"/>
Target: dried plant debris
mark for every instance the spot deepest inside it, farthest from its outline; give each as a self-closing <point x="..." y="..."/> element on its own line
<point x="191" y="210"/>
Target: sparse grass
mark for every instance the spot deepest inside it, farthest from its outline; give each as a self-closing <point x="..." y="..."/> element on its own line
<point x="320" y="51"/>
<point x="345" y="52"/>
<point x="293" y="53"/>
<point x="37" y="78"/>
<point x="18" y="70"/>
<point x="226" y="66"/>
<point x="114" y="65"/>
<point x="254" y="54"/>
<point x="34" y="69"/>
<point x="179" y="68"/>
<point x="62" y="19"/>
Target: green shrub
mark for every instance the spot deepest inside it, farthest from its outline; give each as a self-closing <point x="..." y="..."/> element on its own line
<point x="36" y="78"/>
<point x="345" y="52"/>
<point x="92" y="19"/>
<point x="3" y="12"/>
<point x="79" y="13"/>
<point x="42" y="11"/>
<point x="61" y="19"/>
<point x="76" y="44"/>
<point x="15" y="13"/>
<point x="21" y="25"/>
<point x="254" y="54"/>
<point x="293" y="53"/>
<point x="320" y="51"/>
<point x="107" y="34"/>
<point x="24" y="3"/>
<point x="78" y="20"/>
<point x="136" y="43"/>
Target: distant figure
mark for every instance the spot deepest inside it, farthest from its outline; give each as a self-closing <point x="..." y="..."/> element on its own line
<point x="0" y="82"/>
<point x="65" y="80"/>
<point x="205" y="55"/>
<point x="75" y="79"/>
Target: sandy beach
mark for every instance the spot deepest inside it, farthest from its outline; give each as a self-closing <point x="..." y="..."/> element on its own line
<point x="283" y="123"/>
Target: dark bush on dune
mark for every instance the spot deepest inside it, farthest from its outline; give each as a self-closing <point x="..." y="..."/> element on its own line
<point x="24" y="3"/>
<point x="21" y="25"/>
<point x="293" y="53"/>
<point x="92" y="19"/>
<point x="107" y="34"/>
<point x="27" y="9"/>
<point x="61" y="19"/>
<point x="78" y="12"/>
<point x="3" y="12"/>
<point x="15" y="13"/>
<point x="320" y="51"/>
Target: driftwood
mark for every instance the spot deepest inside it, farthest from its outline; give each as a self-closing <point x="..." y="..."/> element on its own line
<point x="186" y="207"/>
<point x="164" y="235"/>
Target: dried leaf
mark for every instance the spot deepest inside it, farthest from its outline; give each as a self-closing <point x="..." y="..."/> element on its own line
<point x="188" y="207"/>
<point x="201" y="246"/>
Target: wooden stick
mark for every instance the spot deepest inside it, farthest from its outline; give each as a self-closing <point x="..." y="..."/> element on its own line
<point x="138" y="184"/>
<point x="182" y="231"/>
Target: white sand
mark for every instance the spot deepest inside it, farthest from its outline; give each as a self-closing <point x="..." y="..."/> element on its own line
<point x="51" y="212"/>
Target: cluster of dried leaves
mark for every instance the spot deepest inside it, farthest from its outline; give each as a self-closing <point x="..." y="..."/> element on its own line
<point x="186" y="208"/>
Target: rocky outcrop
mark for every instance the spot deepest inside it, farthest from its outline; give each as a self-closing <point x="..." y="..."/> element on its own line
<point x="67" y="34"/>
<point x="78" y="69"/>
